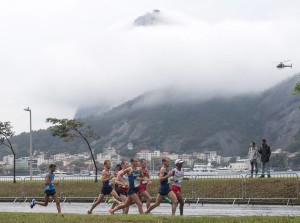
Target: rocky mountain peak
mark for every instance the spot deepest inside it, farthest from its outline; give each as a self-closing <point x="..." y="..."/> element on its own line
<point x="149" y="19"/>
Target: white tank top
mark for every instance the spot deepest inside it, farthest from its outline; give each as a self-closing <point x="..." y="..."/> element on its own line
<point x="178" y="176"/>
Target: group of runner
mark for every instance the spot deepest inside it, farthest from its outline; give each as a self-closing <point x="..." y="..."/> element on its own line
<point x="128" y="185"/>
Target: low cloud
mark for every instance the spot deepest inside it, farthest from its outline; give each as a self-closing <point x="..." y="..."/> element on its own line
<point x="200" y="59"/>
<point x="58" y="73"/>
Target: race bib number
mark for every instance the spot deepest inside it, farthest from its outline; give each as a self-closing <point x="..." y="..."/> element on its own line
<point x="145" y="180"/>
<point x="111" y="181"/>
<point x="179" y="179"/>
<point x="136" y="183"/>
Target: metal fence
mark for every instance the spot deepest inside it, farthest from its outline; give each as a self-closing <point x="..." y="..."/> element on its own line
<point x="196" y="189"/>
<point x="277" y="187"/>
<point x="219" y="187"/>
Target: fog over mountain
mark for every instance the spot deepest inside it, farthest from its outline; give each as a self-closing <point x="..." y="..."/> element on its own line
<point x="223" y="124"/>
<point x="163" y="120"/>
<point x="163" y="49"/>
<point x="57" y="57"/>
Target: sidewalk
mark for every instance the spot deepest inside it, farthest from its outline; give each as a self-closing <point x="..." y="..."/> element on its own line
<point x="165" y="209"/>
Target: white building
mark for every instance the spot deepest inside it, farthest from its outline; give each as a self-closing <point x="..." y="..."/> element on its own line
<point x="173" y="156"/>
<point x="113" y="158"/>
<point x="148" y="155"/>
<point x="59" y="157"/>
<point x="187" y="158"/>
<point x="8" y="160"/>
<point x="216" y="159"/>
<point x="41" y="159"/>
<point x="130" y="146"/>
<point x="79" y="156"/>
<point x="110" y="151"/>
<point x="22" y="163"/>
<point x="200" y="156"/>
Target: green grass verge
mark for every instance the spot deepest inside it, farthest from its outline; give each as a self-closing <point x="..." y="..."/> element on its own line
<point x="76" y="218"/>
<point x="204" y="188"/>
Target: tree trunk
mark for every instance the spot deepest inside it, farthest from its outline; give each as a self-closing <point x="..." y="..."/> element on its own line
<point x="96" y="169"/>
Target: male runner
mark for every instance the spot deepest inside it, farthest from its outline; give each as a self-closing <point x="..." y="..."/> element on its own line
<point x="145" y="182"/>
<point x="107" y="178"/>
<point x="133" y="174"/>
<point x="49" y="190"/>
<point x="178" y="177"/>
<point x="164" y="190"/>
<point x="123" y="184"/>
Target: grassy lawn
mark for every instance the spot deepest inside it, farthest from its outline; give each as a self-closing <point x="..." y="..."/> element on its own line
<point x="74" y="218"/>
<point x="203" y="188"/>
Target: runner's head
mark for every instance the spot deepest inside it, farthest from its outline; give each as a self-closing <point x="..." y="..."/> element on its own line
<point x="52" y="167"/>
<point x="118" y="167"/>
<point x="165" y="162"/>
<point x="124" y="164"/>
<point x="179" y="163"/>
<point x="143" y="163"/>
<point x="134" y="162"/>
<point x="107" y="164"/>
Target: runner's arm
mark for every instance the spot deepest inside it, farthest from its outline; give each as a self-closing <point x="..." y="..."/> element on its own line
<point x="119" y="180"/>
<point x="47" y="180"/>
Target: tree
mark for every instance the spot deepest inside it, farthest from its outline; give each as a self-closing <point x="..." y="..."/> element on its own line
<point x="5" y="133"/>
<point x="70" y="129"/>
<point x="279" y="161"/>
<point x="232" y="159"/>
<point x="294" y="162"/>
<point x="215" y="164"/>
<point x="297" y="89"/>
<point x="43" y="167"/>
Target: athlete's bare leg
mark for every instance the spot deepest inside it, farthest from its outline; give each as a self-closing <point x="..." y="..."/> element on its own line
<point x="100" y="198"/>
<point x="158" y="200"/>
<point x="181" y="203"/>
<point x="174" y="200"/>
<point x="147" y="196"/>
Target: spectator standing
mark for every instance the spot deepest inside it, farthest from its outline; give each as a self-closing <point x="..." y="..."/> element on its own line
<point x="265" y="152"/>
<point x="253" y="155"/>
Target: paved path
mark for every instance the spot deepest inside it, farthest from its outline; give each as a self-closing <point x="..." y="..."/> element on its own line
<point x="191" y="210"/>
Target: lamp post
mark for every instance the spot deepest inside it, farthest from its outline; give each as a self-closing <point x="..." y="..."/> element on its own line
<point x="30" y="148"/>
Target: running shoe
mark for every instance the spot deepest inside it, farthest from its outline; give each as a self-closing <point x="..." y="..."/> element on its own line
<point x="110" y="200"/>
<point x="33" y="203"/>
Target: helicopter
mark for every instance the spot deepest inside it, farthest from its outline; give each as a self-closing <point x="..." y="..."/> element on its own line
<point x="281" y="65"/>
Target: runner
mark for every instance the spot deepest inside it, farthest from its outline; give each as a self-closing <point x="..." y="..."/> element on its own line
<point x="145" y="182"/>
<point x="123" y="185"/>
<point x="50" y="185"/>
<point x="112" y="200"/>
<point x="134" y="174"/>
<point x="107" y="178"/>
<point x="164" y="189"/>
<point x="178" y="177"/>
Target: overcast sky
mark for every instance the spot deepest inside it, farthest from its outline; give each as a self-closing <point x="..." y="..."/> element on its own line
<point x="59" y="55"/>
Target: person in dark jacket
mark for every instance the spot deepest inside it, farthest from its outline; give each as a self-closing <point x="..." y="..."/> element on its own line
<point x="265" y="152"/>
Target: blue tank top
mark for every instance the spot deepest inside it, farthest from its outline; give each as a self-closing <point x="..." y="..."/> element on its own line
<point x="133" y="182"/>
<point x="166" y="181"/>
<point x="50" y="186"/>
<point x="107" y="184"/>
